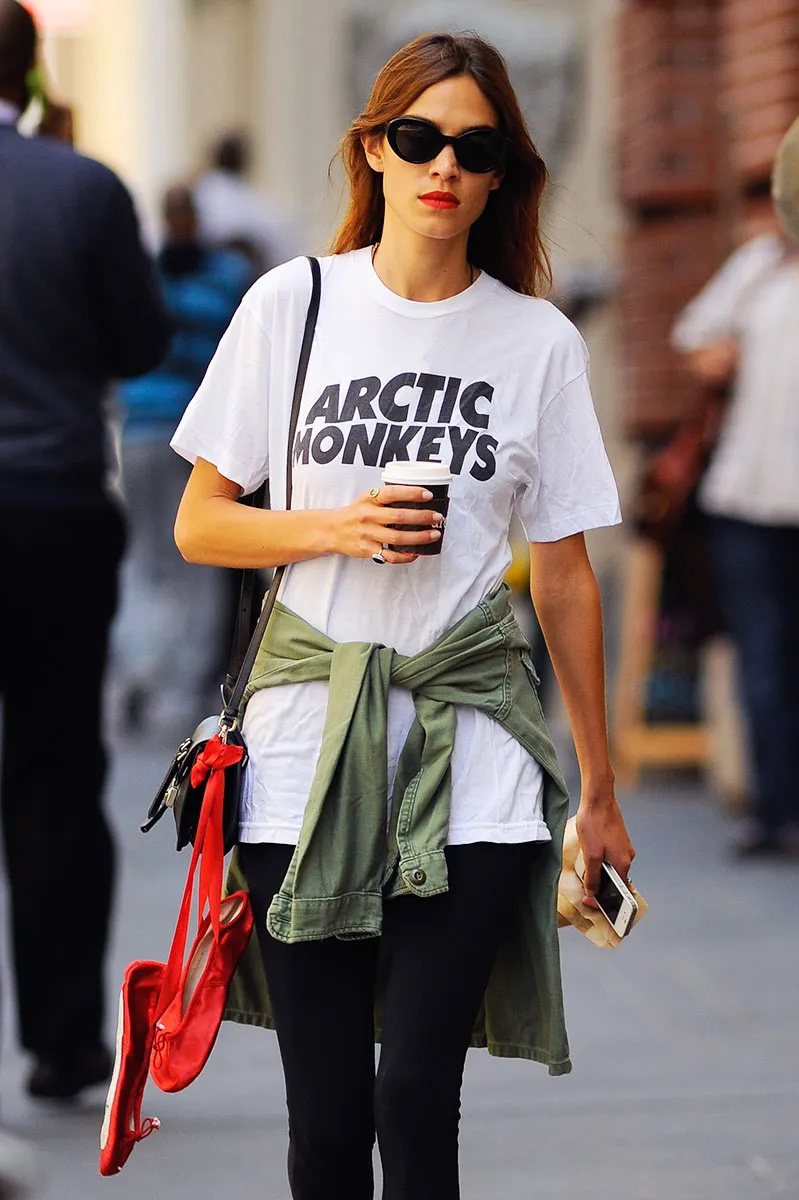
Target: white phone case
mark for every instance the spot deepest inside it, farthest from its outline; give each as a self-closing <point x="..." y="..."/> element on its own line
<point x="626" y="915"/>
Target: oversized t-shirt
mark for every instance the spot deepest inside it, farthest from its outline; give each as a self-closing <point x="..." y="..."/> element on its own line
<point x="493" y="384"/>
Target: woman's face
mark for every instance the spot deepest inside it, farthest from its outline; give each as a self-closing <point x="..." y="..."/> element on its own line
<point x="454" y="105"/>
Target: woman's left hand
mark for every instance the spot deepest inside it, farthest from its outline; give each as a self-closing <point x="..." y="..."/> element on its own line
<point x="603" y="838"/>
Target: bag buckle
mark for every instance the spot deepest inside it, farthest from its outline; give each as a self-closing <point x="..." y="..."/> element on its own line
<point x="228" y="719"/>
<point x="227" y="724"/>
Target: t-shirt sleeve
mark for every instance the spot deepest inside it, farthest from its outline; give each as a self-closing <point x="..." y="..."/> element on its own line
<point x="226" y="422"/>
<point x="571" y="488"/>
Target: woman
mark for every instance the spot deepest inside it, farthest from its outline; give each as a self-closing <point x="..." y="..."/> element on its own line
<point x="430" y="345"/>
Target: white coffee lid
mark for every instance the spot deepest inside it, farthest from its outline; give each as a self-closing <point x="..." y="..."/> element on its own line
<point x="416" y="474"/>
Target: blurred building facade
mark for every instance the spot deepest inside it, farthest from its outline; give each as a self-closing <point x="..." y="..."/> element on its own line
<point x="154" y="82"/>
<point x="660" y="119"/>
<point x="705" y="92"/>
<point x="707" y="88"/>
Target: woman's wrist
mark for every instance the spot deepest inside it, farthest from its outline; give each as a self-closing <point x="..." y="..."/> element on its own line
<point x="327" y="531"/>
<point x="597" y="787"/>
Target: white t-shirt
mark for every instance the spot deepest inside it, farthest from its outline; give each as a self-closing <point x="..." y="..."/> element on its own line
<point x="754" y="299"/>
<point x="489" y="382"/>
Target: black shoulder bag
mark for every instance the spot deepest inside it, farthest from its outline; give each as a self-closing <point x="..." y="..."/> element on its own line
<point x="177" y="791"/>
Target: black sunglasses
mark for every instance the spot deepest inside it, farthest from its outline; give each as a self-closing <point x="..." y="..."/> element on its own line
<point x="417" y="141"/>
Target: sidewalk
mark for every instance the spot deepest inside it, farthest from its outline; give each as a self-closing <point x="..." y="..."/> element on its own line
<point x="685" y="1043"/>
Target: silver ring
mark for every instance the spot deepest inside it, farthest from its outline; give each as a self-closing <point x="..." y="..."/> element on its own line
<point x="378" y="558"/>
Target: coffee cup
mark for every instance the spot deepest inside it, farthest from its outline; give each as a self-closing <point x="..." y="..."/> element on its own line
<point x="431" y="475"/>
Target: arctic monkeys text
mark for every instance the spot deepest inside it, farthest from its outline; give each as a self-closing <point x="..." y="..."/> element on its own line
<point x="411" y="416"/>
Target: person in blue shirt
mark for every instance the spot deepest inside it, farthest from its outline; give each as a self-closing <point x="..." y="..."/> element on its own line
<point x="158" y="670"/>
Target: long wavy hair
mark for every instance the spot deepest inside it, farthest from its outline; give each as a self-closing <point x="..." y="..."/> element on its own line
<point x="506" y="239"/>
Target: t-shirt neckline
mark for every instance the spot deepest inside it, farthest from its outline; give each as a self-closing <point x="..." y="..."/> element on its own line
<point x="421" y="308"/>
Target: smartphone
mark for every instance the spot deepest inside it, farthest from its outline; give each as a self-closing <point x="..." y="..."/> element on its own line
<point x="614" y="898"/>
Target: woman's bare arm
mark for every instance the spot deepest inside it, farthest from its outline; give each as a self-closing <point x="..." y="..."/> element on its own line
<point x="566" y="598"/>
<point x="213" y="528"/>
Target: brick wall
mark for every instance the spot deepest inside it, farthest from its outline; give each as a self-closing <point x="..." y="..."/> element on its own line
<point x="707" y="89"/>
<point x="759" y="79"/>
<point x="666" y="261"/>
<point x="668" y="137"/>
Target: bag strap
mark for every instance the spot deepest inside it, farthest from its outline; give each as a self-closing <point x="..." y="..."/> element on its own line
<point x="230" y="713"/>
<point x="245" y="621"/>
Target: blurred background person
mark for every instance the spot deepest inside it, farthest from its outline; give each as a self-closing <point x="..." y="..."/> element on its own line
<point x="173" y="613"/>
<point x="740" y="333"/>
<point x="236" y="215"/>
<point x="79" y="305"/>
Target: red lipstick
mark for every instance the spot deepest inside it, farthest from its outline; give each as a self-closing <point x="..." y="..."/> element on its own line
<point x="440" y="200"/>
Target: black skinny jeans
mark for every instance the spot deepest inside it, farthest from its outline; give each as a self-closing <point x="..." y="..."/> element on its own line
<point x="437" y="955"/>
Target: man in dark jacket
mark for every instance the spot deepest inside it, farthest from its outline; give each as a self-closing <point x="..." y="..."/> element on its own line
<point x="79" y="306"/>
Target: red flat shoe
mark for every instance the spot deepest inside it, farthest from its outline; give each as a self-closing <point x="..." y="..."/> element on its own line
<point x="187" y="1029"/>
<point x="122" y="1123"/>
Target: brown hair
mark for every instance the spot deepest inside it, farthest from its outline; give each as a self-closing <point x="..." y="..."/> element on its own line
<point x="506" y="239"/>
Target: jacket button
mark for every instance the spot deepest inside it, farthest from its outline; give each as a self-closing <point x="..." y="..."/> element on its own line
<point x="418" y="876"/>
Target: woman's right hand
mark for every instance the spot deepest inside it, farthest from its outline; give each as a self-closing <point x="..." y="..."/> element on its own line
<point x="360" y="530"/>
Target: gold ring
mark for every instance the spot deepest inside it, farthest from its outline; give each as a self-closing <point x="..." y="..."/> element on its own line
<point x="375" y="492"/>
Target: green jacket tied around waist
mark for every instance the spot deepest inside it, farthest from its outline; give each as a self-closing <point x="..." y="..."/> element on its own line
<point x="350" y="861"/>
